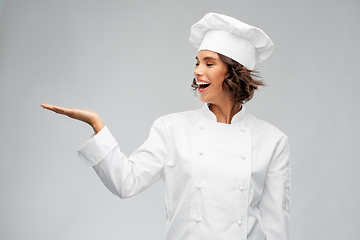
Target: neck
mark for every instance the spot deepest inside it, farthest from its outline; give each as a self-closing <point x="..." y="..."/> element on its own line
<point x="225" y="112"/>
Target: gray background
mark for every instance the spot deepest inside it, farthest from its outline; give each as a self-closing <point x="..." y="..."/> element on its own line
<point x="131" y="62"/>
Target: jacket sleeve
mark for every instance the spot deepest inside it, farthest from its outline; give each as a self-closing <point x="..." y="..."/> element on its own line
<point x="124" y="176"/>
<point x="275" y="200"/>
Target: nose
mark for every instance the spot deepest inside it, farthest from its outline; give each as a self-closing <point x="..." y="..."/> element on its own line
<point x="197" y="72"/>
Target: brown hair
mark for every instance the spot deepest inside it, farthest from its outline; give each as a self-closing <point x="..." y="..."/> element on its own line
<point x="239" y="81"/>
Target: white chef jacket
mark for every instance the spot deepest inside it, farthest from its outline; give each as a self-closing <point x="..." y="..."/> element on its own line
<point x="222" y="181"/>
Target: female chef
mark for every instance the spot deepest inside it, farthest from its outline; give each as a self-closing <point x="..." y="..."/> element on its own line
<point x="226" y="173"/>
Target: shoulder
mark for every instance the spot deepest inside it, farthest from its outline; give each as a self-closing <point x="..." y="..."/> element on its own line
<point x="264" y="129"/>
<point x="181" y="117"/>
<point x="179" y="122"/>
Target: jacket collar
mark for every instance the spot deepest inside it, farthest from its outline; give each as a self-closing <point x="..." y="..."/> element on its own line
<point x="211" y="116"/>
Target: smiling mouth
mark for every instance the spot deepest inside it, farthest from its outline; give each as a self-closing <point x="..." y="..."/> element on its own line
<point x="202" y="84"/>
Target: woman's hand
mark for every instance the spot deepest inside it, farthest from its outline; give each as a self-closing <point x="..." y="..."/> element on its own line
<point x="84" y="115"/>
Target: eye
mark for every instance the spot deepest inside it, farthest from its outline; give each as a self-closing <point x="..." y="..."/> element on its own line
<point x="196" y="64"/>
<point x="209" y="64"/>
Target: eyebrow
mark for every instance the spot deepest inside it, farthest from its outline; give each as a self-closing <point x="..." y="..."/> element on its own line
<point x="206" y="58"/>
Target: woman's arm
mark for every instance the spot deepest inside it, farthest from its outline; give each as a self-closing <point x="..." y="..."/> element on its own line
<point x="123" y="176"/>
<point x="127" y="176"/>
<point x="275" y="200"/>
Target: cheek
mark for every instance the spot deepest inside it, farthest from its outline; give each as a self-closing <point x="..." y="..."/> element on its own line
<point x="220" y="79"/>
<point x="219" y="88"/>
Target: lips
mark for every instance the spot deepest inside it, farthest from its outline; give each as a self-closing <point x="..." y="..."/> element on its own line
<point x="203" y="86"/>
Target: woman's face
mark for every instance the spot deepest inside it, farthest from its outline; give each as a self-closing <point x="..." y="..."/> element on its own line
<point x="210" y="73"/>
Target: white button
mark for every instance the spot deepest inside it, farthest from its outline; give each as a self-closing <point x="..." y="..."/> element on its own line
<point x="241" y="188"/>
<point x="242" y="130"/>
<point x="199" y="186"/>
<point x="201" y="153"/>
<point x="202" y="127"/>
<point x="242" y="156"/>
<point x="239" y="222"/>
<point x="197" y="219"/>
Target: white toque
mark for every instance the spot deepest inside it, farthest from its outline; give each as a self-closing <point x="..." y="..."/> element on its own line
<point x="237" y="40"/>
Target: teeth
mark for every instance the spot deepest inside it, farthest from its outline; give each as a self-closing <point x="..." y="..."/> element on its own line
<point x="201" y="82"/>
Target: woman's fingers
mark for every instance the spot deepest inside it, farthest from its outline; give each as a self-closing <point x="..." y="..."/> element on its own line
<point x="56" y="109"/>
<point x="66" y="111"/>
<point x="46" y="106"/>
<point x="49" y="106"/>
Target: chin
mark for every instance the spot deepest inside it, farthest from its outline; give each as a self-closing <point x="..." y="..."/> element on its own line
<point x="204" y="100"/>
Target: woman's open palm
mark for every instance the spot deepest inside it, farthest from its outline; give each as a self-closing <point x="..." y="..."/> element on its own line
<point x="84" y="115"/>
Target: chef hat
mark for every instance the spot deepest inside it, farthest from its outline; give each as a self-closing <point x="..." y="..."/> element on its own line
<point x="237" y="40"/>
